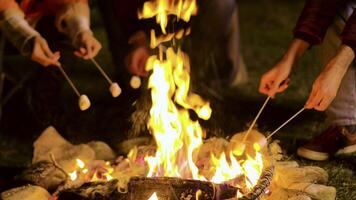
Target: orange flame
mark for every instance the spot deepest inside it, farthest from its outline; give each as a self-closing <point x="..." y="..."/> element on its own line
<point x="177" y="136"/>
<point x="182" y="9"/>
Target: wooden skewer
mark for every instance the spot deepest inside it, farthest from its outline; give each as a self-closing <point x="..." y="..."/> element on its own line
<point x="101" y="70"/>
<point x="281" y="126"/>
<point x="255" y="120"/>
<point x="68" y="79"/>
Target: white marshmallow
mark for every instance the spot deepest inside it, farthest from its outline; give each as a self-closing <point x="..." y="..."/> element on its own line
<point x="115" y="89"/>
<point x="84" y="102"/>
<point x="135" y="82"/>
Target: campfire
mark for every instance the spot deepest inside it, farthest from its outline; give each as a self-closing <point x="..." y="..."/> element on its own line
<point x="182" y="163"/>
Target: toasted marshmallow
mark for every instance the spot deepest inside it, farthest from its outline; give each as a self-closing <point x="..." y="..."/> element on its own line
<point x="135" y="82"/>
<point x="84" y="102"/>
<point x="115" y="89"/>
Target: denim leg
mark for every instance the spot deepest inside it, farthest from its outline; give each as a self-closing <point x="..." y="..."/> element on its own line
<point x="208" y="46"/>
<point x="342" y="111"/>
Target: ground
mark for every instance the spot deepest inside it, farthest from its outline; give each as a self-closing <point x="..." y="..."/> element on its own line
<point x="266" y="27"/>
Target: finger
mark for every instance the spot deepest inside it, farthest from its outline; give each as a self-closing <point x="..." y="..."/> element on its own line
<point x="325" y="102"/>
<point x="282" y="87"/>
<point x="41" y="59"/>
<point x="78" y="54"/>
<point x="315" y="101"/>
<point x="96" y="48"/>
<point x="89" y="50"/>
<point x="46" y="50"/>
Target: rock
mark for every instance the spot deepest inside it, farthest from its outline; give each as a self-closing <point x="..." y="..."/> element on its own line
<point x="126" y="146"/>
<point x="300" y="197"/>
<point x="287" y="164"/>
<point x="43" y="174"/>
<point x="285" y="176"/>
<point x="28" y="192"/>
<point x="315" y="191"/>
<point x="102" y="150"/>
<point x="65" y="153"/>
<point x="48" y="140"/>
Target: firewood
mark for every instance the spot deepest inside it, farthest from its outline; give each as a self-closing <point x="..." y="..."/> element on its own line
<point x="285" y="176"/>
<point x="93" y="191"/>
<point x="315" y="191"/>
<point x="44" y="174"/>
<point x="175" y="188"/>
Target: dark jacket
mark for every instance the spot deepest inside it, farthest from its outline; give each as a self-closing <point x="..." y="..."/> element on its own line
<point x="316" y="17"/>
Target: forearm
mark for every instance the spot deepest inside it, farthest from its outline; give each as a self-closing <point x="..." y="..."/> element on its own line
<point x="342" y="60"/>
<point x="73" y="19"/>
<point x="296" y="49"/>
<point x="17" y="30"/>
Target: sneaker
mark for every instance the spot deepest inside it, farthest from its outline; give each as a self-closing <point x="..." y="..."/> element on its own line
<point x="323" y="146"/>
<point x="350" y="148"/>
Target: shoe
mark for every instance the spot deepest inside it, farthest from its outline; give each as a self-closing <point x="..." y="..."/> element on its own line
<point x="323" y="146"/>
<point x="350" y="148"/>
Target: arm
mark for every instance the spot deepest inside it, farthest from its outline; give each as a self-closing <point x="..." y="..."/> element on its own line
<point x="73" y="19"/>
<point x="325" y="87"/>
<point x="310" y="30"/>
<point x="27" y="40"/>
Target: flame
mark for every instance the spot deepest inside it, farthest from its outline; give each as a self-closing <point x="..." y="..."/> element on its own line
<point x="178" y="137"/>
<point x="81" y="170"/>
<point x="73" y="175"/>
<point x="153" y="197"/>
<point x="182" y="9"/>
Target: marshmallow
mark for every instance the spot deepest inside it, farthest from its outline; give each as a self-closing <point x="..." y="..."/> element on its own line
<point x="115" y="89"/>
<point x="84" y="102"/>
<point x="135" y="82"/>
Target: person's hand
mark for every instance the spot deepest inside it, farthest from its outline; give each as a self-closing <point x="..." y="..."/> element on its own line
<point x="276" y="79"/>
<point x="88" y="45"/>
<point x="136" y="61"/>
<point x="42" y="54"/>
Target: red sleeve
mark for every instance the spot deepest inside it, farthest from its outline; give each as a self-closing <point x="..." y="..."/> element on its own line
<point x="315" y="19"/>
<point x="35" y="8"/>
<point x="348" y="35"/>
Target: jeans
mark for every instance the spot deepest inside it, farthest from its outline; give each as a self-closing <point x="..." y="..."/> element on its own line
<point x="342" y="111"/>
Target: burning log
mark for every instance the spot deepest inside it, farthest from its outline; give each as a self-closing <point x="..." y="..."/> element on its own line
<point x="44" y="174"/>
<point x="94" y="191"/>
<point x="175" y="188"/>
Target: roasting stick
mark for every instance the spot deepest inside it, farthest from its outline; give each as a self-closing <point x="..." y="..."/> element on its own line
<point x="84" y="102"/>
<point x="256" y="118"/>
<point x="281" y="126"/>
<point x="68" y="79"/>
<point x="240" y="146"/>
<point x="114" y="87"/>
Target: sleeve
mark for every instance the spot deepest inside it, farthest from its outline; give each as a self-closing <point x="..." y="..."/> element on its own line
<point x="14" y="26"/>
<point x="314" y="20"/>
<point x="348" y="36"/>
<point x="73" y="17"/>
